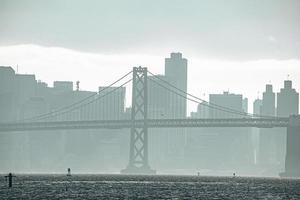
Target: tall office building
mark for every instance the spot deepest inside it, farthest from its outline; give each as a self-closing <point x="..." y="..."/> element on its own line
<point x="111" y="150"/>
<point x="167" y="145"/>
<point x="228" y="100"/>
<point x="267" y="147"/>
<point x="268" y="102"/>
<point x="7" y="94"/>
<point x="287" y="100"/>
<point x="176" y="74"/>
<point x="7" y="113"/>
<point x="157" y="98"/>
<point x="25" y="88"/>
<point x="245" y="105"/>
<point x="232" y="145"/>
<point x="287" y="104"/>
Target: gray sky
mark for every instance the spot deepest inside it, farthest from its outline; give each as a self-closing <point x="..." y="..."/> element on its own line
<point x="235" y="45"/>
<point x="223" y="29"/>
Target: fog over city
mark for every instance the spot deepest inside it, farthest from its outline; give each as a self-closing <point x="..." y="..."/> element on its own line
<point x="222" y="80"/>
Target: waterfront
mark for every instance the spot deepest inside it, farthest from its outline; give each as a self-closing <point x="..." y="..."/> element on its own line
<point x="148" y="187"/>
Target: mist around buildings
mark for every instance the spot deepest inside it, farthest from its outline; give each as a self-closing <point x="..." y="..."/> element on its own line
<point x="209" y="151"/>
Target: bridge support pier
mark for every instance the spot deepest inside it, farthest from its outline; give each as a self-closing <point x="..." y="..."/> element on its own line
<point x="292" y="158"/>
<point x="138" y="155"/>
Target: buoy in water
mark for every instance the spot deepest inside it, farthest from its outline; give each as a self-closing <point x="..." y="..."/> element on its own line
<point x="10" y="179"/>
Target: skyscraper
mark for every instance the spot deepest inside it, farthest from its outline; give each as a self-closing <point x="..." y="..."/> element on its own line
<point x="287" y="100"/>
<point x="7" y="94"/>
<point x="267" y="147"/>
<point x="227" y="100"/>
<point x="7" y="113"/>
<point x="176" y="74"/>
<point x="268" y="101"/>
<point x="287" y="104"/>
<point x="228" y="140"/>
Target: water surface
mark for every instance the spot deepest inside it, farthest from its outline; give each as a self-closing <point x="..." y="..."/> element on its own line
<point x="148" y="187"/>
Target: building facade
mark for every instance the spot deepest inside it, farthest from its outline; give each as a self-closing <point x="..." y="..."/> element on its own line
<point x="287" y="104"/>
<point x="267" y="137"/>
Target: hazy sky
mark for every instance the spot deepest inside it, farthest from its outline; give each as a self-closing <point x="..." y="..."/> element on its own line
<point x="229" y="29"/>
<point x="236" y="44"/>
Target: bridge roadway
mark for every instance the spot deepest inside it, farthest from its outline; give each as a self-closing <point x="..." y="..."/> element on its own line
<point x="151" y="123"/>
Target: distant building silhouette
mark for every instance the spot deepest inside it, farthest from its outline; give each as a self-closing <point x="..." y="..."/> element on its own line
<point x="63" y="86"/>
<point x="199" y="150"/>
<point x="112" y="106"/>
<point x="287" y="104"/>
<point x="202" y="111"/>
<point x="287" y="100"/>
<point x="158" y="108"/>
<point x="228" y="100"/>
<point x="176" y="74"/>
<point x="228" y="140"/>
<point x="257" y="106"/>
<point x="245" y="105"/>
<point x="7" y="94"/>
<point x="158" y="99"/>
<point x="23" y="97"/>
<point x="267" y="144"/>
<point x="7" y="113"/>
<point x="167" y="145"/>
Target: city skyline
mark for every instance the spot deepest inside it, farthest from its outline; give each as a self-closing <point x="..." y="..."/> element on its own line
<point x="160" y="99"/>
<point x="28" y="100"/>
<point x="241" y="84"/>
<point x="228" y="43"/>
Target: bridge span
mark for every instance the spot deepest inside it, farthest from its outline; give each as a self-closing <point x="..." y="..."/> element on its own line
<point x="150" y="123"/>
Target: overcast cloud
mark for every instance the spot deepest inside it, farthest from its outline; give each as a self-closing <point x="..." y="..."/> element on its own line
<point x="218" y="29"/>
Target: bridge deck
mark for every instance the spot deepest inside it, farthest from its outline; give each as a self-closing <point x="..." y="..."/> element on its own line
<point x="151" y="123"/>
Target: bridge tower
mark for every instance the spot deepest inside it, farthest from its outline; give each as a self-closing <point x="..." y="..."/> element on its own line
<point x="138" y="155"/>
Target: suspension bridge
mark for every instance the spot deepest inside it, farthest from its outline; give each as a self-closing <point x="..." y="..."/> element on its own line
<point x="83" y="114"/>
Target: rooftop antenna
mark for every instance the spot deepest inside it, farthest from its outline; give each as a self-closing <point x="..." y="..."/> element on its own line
<point x="288" y="77"/>
<point x="17" y="68"/>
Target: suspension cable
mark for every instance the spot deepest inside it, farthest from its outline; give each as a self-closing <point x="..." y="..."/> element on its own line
<point x="222" y="108"/>
<point x="193" y="100"/>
